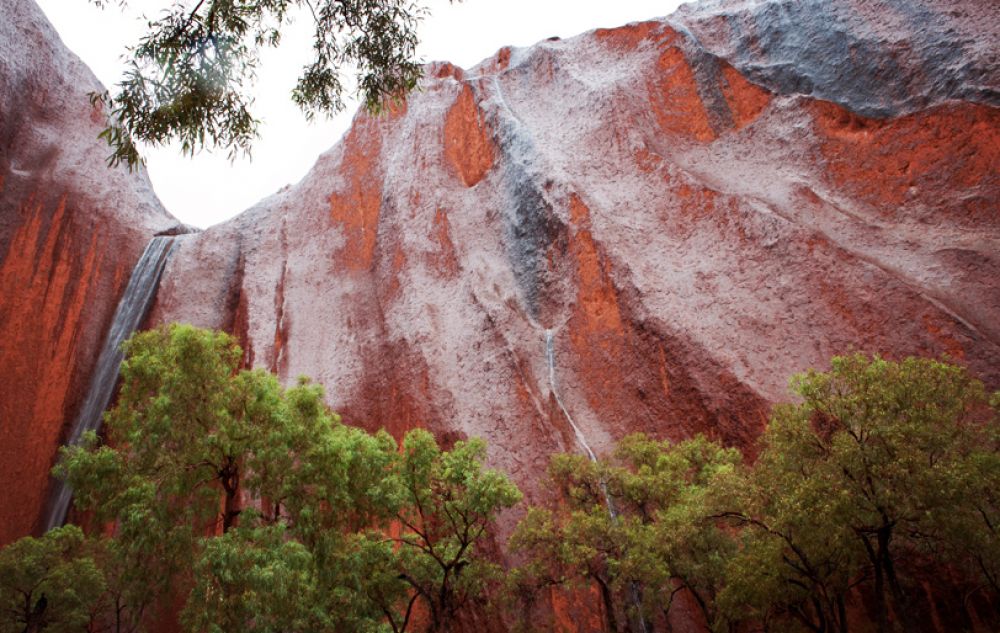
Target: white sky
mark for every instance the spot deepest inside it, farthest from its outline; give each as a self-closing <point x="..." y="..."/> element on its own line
<point x="208" y="189"/>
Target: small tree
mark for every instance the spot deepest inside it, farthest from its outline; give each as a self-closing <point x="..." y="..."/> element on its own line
<point x="191" y="439"/>
<point x="406" y="555"/>
<point x="639" y="527"/>
<point x="795" y="561"/>
<point x="880" y="465"/>
<point x="190" y="428"/>
<point x="49" y="583"/>
<point x="449" y="504"/>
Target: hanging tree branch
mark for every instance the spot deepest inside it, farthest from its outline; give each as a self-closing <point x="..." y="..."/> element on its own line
<point x="189" y="79"/>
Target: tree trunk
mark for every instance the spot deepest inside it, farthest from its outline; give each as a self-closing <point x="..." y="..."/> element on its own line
<point x="899" y="600"/>
<point x="230" y="477"/>
<point x="841" y="614"/>
<point x="609" y="605"/>
<point x="800" y="613"/>
<point x="875" y="558"/>
<point x="820" y="615"/>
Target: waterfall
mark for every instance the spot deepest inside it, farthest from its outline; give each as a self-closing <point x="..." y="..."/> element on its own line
<point x="550" y="357"/>
<point x="131" y="311"/>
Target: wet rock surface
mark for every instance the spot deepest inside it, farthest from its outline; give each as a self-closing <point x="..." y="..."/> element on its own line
<point x="690" y="224"/>
<point x="690" y="209"/>
<point x="878" y="58"/>
<point x="70" y="232"/>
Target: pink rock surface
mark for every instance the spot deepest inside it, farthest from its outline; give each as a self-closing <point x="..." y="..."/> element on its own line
<point x="690" y="238"/>
<point x="70" y="232"/>
<point x="647" y="228"/>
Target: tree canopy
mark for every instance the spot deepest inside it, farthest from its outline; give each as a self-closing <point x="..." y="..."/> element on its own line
<point x="882" y="469"/>
<point x="637" y="525"/>
<point x="49" y="583"/>
<point x="189" y="78"/>
<point x="883" y="475"/>
<point x="285" y="518"/>
<point x="255" y="508"/>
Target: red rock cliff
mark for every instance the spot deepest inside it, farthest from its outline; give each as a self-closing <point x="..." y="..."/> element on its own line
<point x="691" y="209"/>
<point x="659" y="223"/>
<point x="70" y="232"/>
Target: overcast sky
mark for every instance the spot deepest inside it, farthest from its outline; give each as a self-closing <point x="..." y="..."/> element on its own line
<point x="208" y="189"/>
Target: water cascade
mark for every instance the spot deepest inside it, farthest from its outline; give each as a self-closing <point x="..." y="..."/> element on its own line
<point x="550" y="356"/>
<point x="131" y="311"/>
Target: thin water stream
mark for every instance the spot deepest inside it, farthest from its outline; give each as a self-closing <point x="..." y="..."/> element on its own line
<point x="550" y="356"/>
<point x="131" y="311"/>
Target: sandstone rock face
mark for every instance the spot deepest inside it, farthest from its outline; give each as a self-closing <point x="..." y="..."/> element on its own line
<point x="658" y="224"/>
<point x="646" y="228"/>
<point x="70" y="232"/>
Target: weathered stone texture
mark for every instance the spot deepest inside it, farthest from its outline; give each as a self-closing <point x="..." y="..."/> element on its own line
<point x="70" y="232"/>
<point x="691" y="225"/>
<point x="693" y="208"/>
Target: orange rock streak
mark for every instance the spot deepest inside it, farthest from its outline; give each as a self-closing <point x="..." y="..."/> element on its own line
<point x="674" y="98"/>
<point x="356" y="207"/>
<point x="467" y="142"/>
<point x="887" y="163"/>
<point x="45" y="280"/>
<point x="745" y="100"/>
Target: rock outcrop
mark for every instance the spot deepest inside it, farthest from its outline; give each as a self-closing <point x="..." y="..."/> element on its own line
<point x="688" y="210"/>
<point x="70" y="232"/>
<point x="694" y="207"/>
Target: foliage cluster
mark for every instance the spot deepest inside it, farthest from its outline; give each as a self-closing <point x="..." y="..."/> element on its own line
<point x="188" y="79"/>
<point x="260" y="511"/>
<point x="255" y="508"/>
<point x="634" y="525"/>
<point x="883" y="476"/>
